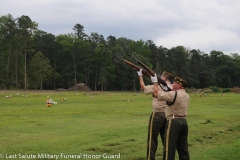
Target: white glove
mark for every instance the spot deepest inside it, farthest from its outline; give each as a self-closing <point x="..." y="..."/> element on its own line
<point x="139" y="72"/>
<point x="164" y="88"/>
<point x="154" y="79"/>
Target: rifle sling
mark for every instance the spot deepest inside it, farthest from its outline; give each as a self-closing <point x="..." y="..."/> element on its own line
<point x="162" y="89"/>
<point x="171" y="103"/>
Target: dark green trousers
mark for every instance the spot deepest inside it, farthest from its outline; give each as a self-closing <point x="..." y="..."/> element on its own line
<point x="176" y="138"/>
<point x="156" y="127"/>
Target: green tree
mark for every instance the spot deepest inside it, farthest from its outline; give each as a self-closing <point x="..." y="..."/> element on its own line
<point x="39" y="69"/>
<point x="235" y="74"/>
<point x="196" y="69"/>
<point x="115" y="66"/>
<point x="79" y="32"/>
<point x="10" y="37"/>
<point x="3" y="49"/>
<point x="80" y="48"/>
<point x="178" y="61"/>
<point x="9" y="51"/>
<point x="46" y="44"/>
<point x="68" y="59"/>
<point x="26" y="29"/>
<point x="140" y="50"/>
<point x="93" y="70"/>
<point x="125" y="74"/>
<point x="158" y="57"/>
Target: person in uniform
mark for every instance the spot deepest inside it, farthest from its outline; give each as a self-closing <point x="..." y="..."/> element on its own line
<point x="176" y="133"/>
<point x="157" y="121"/>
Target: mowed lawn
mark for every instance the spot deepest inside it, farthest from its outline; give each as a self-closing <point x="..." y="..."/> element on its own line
<point x="109" y="125"/>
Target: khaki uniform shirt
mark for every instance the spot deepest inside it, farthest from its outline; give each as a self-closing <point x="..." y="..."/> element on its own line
<point x="158" y="106"/>
<point x="179" y="107"/>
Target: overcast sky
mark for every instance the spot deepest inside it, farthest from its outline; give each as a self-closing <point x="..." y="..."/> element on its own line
<point x="196" y="24"/>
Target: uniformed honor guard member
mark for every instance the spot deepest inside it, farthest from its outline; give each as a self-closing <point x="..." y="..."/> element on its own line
<point x="157" y="121"/>
<point x="176" y="133"/>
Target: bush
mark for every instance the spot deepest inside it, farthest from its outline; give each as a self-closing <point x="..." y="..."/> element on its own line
<point x="225" y="90"/>
<point x="214" y="88"/>
<point x="236" y="90"/>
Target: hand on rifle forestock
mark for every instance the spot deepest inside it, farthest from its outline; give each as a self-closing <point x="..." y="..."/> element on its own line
<point x="154" y="76"/>
<point x="154" y="79"/>
<point x="139" y="72"/>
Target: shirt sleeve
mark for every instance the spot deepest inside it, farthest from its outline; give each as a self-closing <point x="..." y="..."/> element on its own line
<point x="148" y="89"/>
<point x="166" y="96"/>
<point x="169" y="85"/>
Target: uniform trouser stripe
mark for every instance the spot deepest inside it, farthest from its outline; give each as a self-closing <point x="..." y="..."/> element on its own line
<point x="167" y="137"/>
<point x="150" y="136"/>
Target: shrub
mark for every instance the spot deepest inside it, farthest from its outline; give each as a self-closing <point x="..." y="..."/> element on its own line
<point x="236" y="90"/>
<point x="214" y="88"/>
<point x="225" y="90"/>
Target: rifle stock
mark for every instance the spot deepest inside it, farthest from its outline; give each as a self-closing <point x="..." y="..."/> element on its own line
<point x="151" y="72"/>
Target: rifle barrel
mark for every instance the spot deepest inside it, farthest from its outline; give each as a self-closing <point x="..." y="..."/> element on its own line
<point x="152" y="73"/>
<point x="135" y="67"/>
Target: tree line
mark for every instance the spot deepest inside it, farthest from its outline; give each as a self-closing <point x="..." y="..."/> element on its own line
<point x="34" y="59"/>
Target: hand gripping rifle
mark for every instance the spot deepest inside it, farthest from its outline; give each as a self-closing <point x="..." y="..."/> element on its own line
<point x="135" y="67"/>
<point x="152" y="73"/>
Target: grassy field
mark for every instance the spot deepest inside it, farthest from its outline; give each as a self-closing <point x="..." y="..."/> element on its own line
<point x="109" y="125"/>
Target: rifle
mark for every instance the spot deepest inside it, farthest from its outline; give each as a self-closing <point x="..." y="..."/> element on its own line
<point x="135" y="67"/>
<point x="152" y="73"/>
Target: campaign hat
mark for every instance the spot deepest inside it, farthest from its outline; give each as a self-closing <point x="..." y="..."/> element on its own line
<point x="181" y="81"/>
<point x="168" y="75"/>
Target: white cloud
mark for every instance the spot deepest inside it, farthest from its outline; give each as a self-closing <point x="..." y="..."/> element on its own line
<point x="205" y="39"/>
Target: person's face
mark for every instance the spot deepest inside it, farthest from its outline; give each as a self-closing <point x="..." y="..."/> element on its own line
<point x="175" y="86"/>
<point x="163" y="77"/>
